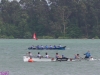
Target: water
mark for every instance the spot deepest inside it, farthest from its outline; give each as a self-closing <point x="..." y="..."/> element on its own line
<point x="12" y="51"/>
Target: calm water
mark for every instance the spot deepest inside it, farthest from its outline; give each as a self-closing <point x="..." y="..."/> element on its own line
<point x="12" y="51"/>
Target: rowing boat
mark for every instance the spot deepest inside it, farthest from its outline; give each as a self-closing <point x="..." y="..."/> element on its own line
<point x="53" y="48"/>
<point x="26" y="58"/>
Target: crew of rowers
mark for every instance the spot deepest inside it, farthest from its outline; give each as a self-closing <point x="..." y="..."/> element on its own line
<point x="41" y="46"/>
<point x="39" y="55"/>
<point x="77" y="56"/>
<point x="87" y="55"/>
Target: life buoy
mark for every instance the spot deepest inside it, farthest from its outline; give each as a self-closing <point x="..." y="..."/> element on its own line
<point x="30" y="60"/>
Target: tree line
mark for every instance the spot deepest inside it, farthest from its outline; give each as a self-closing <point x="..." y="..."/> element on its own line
<point x="50" y="19"/>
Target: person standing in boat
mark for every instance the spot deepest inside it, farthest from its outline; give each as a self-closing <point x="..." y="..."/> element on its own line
<point x="87" y="54"/>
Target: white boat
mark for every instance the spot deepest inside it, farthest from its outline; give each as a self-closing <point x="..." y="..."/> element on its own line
<point x="26" y="58"/>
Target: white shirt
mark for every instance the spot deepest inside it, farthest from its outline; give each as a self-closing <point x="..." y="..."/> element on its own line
<point x="39" y="55"/>
<point x="30" y="54"/>
<point x="47" y="56"/>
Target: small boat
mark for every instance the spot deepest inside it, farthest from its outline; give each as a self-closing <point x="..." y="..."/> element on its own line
<point x="57" y="48"/>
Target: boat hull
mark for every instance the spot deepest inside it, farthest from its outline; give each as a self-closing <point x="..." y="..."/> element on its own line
<point x="25" y="59"/>
<point x="58" y="48"/>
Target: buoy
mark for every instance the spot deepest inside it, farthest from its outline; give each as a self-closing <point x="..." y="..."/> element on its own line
<point x="30" y="60"/>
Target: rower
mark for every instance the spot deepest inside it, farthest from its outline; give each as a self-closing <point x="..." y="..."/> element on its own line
<point x="63" y="56"/>
<point x="32" y="46"/>
<point x="47" y="56"/>
<point x="46" y="47"/>
<point x="59" y="45"/>
<point x="29" y="54"/>
<point x="54" y="46"/>
<point x="58" y="56"/>
<point x="77" y="56"/>
<point x="42" y="46"/>
<point x="38" y="55"/>
<point x="50" y="47"/>
<point x="87" y="54"/>
<point x="37" y="47"/>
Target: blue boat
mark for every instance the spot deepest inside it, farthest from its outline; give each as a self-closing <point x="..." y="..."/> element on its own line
<point x="53" y="48"/>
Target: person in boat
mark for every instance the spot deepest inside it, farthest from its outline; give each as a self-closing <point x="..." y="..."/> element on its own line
<point x="54" y="46"/>
<point x="39" y="55"/>
<point x="46" y="55"/>
<point x="59" y="45"/>
<point x="58" y="56"/>
<point x="29" y="54"/>
<point x="51" y="47"/>
<point x="63" y="56"/>
<point x="46" y="47"/>
<point x="77" y="56"/>
<point x="37" y="46"/>
<point x="32" y="46"/>
<point x="87" y="54"/>
<point x="42" y="47"/>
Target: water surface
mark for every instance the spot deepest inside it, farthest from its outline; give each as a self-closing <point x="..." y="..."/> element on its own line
<point x="12" y="51"/>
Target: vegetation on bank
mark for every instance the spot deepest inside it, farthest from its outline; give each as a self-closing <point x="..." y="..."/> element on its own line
<point x="56" y="19"/>
<point x="44" y="37"/>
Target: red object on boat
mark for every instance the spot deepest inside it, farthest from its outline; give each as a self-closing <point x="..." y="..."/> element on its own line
<point x="34" y="36"/>
<point x="30" y="60"/>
